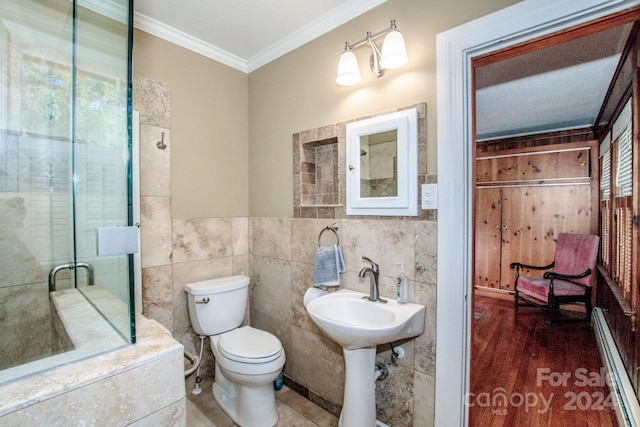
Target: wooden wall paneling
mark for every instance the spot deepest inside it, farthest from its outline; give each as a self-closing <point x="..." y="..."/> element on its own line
<point x="538" y="140"/>
<point x="488" y="229"/>
<point x="486" y="170"/>
<point x="554" y="165"/>
<point x="532" y="219"/>
<point x="621" y="314"/>
<point x="518" y="231"/>
<point x="620" y="318"/>
<point x="539" y="149"/>
<point x="549" y="166"/>
<point x="499" y="169"/>
<point x="541" y="192"/>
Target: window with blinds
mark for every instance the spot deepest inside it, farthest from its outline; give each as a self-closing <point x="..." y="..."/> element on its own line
<point x="616" y="206"/>
<point x="623" y="211"/>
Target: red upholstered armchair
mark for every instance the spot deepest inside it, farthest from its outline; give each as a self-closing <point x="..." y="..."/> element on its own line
<point x="571" y="279"/>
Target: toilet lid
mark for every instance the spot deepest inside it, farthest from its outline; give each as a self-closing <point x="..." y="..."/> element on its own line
<point x="249" y="345"/>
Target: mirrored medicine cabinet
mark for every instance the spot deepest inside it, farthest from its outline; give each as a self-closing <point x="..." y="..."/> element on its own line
<point x="382" y="165"/>
<point x="369" y="166"/>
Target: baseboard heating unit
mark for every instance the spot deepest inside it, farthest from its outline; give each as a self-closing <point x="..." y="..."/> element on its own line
<point x="627" y="407"/>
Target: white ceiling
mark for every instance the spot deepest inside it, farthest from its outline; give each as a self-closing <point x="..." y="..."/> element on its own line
<point x="557" y="88"/>
<point x="245" y="34"/>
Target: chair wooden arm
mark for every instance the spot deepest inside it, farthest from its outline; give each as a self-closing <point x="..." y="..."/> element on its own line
<point x="550" y="275"/>
<point x="553" y="275"/>
<point x="534" y="267"/>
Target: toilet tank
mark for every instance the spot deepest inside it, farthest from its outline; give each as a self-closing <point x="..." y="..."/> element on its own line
<point x="217" y="305"/>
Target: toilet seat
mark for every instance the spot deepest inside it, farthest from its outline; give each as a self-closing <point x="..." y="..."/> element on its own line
<point x="249" y="345"/>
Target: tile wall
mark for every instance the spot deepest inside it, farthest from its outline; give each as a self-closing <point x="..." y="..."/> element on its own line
<point x="282" y="263"/>
<point x="319" y="184"/>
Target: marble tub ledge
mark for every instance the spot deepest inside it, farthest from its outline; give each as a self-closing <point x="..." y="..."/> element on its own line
<point x="154" y="343"/>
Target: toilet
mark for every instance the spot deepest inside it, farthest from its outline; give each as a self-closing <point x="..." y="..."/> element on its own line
<point x="247" y="360"/>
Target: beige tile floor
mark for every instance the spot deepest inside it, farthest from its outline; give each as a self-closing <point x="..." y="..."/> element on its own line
<point x="293" y="410"/>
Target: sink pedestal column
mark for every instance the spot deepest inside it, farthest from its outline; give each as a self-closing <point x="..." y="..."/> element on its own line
<point x="359" y="405"/>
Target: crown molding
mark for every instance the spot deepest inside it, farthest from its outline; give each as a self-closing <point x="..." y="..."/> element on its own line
<point x="170" y="34"/>
<point x="322" y="25"/>
<point x="316" y="28"/>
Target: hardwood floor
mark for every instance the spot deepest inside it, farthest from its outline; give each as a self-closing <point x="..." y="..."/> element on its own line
<point x="525" y="373"/>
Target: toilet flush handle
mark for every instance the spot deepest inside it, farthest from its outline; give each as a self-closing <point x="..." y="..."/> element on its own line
<point x="204" y="300"/>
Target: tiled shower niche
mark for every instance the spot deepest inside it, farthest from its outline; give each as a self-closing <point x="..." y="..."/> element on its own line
<point x="319" y="163"/>
<point x="319" y="173"/>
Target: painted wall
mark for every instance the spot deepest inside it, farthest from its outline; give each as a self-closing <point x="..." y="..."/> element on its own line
<point x="298" y="91"/>
<point x="209" y="128"/>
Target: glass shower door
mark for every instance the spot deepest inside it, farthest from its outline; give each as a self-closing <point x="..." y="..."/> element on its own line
<point x="64" y="172"/>
<point x="102" y="153"/>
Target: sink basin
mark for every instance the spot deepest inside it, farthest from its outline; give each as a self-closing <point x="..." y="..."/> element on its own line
<point x="359" y="325"/>
<point x="354" y="322"/>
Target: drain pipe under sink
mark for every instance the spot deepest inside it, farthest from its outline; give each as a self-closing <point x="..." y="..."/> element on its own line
<point x="381" y="371"/>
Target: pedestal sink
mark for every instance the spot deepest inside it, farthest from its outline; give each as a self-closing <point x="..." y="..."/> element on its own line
<point x="359" y="325"/>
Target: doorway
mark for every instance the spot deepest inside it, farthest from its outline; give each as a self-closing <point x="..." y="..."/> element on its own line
<point x="456" y="49"/>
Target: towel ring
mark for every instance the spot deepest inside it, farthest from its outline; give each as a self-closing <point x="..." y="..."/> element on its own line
<point x="333" y="228"/>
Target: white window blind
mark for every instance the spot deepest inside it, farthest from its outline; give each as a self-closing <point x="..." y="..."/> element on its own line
<point x="605" y="176"/>
<point x="624" y="166"/>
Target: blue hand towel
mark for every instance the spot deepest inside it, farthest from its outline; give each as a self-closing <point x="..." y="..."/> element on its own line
<point x="328" y="264"/>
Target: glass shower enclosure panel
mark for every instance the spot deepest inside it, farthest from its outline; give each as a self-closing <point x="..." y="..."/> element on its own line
<point x="64" y="172"/>
<point x="102" y="153"/>
<point x="35" y="172"/>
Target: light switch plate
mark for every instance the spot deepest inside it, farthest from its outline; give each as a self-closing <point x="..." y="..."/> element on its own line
<point x="429" y="196"/>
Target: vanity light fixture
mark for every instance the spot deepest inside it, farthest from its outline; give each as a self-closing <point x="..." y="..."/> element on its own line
<point x="393" y="55"/>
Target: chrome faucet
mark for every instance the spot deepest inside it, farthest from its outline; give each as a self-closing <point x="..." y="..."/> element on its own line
<point x="374" y="274"/>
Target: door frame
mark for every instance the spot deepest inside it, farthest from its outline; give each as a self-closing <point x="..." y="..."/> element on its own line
<point x="456" y="48"/>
